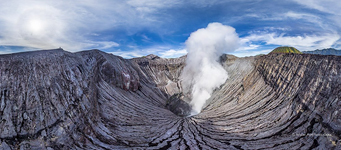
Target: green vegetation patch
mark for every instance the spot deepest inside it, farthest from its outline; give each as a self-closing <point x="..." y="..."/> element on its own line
<point x="285" y="49"/>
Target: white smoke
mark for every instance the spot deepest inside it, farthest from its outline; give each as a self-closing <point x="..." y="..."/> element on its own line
<point x="203" y="73"/>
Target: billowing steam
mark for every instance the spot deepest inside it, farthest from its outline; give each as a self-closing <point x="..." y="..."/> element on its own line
<point x="203" y="73"/>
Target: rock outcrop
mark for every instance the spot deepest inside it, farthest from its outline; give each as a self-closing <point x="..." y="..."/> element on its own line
<point x="178" y="104"/>
<point x="93" y="100"/>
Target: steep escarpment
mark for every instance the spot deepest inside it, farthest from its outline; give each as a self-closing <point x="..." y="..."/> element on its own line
<point x="163" y="72"/>
<point x="94" y="100"/>
<point x="312" y="85"/>
<point x="44" y="95"/>
<point x="56" y="99"/>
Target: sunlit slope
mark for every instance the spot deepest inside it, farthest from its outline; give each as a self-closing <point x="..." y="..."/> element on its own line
<point x="285" y="49"/>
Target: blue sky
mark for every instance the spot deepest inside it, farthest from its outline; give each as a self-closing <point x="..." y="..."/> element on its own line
<point x="135" y="28"/>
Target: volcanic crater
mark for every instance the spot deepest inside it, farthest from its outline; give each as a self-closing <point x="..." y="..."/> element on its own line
<point x="54" y="99"/>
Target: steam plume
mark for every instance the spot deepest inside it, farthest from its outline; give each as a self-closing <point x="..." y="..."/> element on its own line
<point x="203" y="73"/>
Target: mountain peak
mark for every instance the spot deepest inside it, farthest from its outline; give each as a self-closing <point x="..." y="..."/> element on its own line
<point x="327" y="51"/>
<point x="285" y="49"/>
<point x="152" y="56"/>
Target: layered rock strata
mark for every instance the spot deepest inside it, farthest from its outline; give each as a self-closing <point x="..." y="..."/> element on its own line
<point x="93" y="100"/>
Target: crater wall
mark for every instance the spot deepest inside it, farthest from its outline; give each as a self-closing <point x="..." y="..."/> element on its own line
<point x="93" y="100"/>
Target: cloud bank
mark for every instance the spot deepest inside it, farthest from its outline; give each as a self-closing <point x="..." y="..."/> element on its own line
<point x="134" y="27"/>
<point x="72" y="25"/>
<point x="162" y="51"/>
<point x="203" y="73"/>
<point x="303" y="43"/>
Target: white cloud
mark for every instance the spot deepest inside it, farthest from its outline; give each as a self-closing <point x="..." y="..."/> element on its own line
<point x="290" y="15"/>
<point x="332" y="7"/>
<point x="128" y="54"/>
<point x="306" y="42"/>
<point x="251" y="52"/>
<point x="248" y="46"/>
<point x="326" y="34"/>
<point x="153" y="4"/>
<point x="68" y="24"/>
<point x="295" y="15"/>
<point x="276" y="29"/>
<point x="162" y="51"/>
<point x="173" y="53"/>
<point x="329" y="6"/>
<point x="101" y="45"/>
<point x="80" y="24"/>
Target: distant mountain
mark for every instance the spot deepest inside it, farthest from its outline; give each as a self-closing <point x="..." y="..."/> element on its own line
<point x="285" y="49"/>
<point x="328" y="51"/>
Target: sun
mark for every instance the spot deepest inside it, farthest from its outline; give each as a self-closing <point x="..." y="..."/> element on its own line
<point x="35" y="26"/>
<point x="40" y="26"/>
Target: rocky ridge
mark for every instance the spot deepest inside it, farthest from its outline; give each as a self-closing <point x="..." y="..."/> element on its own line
<point x="93" y="100"/>
<point x="328" y="51"/>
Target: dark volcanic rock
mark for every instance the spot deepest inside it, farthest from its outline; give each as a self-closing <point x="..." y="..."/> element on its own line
<point x="178" y="105"/>
<point x="93" y="100"/>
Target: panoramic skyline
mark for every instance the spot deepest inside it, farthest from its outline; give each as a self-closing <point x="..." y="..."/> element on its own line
<point x="137" y="28"/>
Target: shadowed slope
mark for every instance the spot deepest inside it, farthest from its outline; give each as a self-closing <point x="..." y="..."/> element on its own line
<point x="93" y="100"/>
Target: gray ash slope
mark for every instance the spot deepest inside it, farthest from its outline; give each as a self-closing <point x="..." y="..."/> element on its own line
<point x="93" y="100"/>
